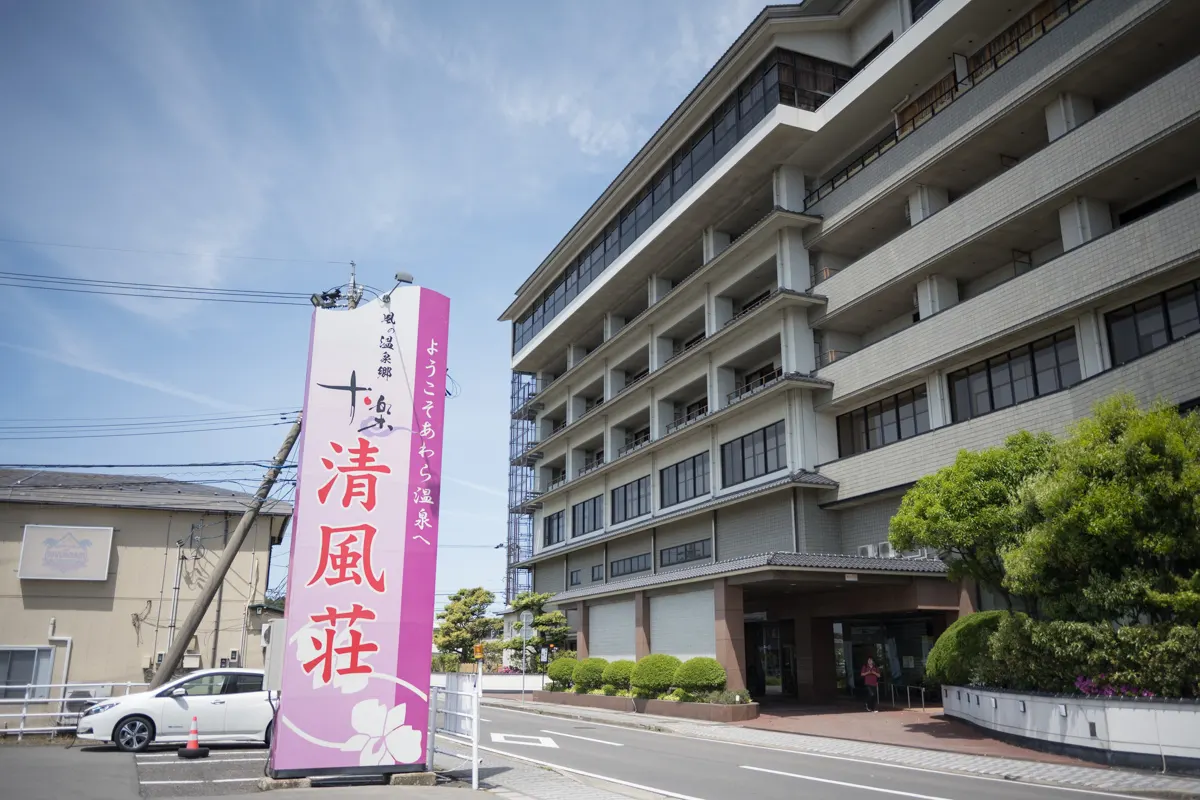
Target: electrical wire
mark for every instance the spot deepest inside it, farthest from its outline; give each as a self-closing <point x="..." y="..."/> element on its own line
<point x="141" y="433"/>
<point x="165" y="287"/>
<point x="37" y="243"/>
<point x="280" y="410"/>
<point x="144" y="424"/>
<point x="263" y="464"/>
<point x="156" y="296"/>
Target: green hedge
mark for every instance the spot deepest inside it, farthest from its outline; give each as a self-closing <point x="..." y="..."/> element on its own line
<point x="589" y="674"/>
<point x="562" y="671"/>
<point x="654" y="674"/>
<point x="700" y="675"/>
<point x="959" y="653"/>
<point x="618" y="673"/>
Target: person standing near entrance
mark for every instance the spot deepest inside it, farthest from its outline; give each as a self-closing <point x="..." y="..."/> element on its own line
<point x="870" y="675"/>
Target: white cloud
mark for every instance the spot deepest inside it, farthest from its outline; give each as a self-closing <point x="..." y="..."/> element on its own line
<point x="476" y="486"/>
<point x="141" y="381"/>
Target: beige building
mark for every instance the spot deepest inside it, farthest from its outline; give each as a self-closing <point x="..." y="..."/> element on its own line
<point x="95" y="571"/>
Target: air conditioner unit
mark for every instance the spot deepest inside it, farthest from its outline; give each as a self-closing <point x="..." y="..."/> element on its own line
<point x="265" y="635"/>
<point x="191" y="661"/>
<point x="919" y="553"/>
<point x="885" y="550"/>
<point x="866" y="551"/>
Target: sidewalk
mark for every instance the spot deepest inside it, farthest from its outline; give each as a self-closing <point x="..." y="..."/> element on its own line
<point x="1026" y="769"/>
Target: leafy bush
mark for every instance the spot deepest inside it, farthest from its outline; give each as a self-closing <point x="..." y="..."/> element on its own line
<point x="654" y="674"/>
<point x="562" y="670"/>
<point x="618" y="673"/>
<point x="588" y="674"/>
<point x="727" y="698"/>
<point x="959" y="653"/>
<point x="1093" y="658"/>
<point x="700" y="675"/>
<point x="608" y="690"/>
<point x="445" y="662"/>
<point x="555" y="686"/>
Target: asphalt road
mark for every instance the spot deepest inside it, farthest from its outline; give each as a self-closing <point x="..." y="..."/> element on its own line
<point x="698" y="769"/>
<point x="227" y="770"/>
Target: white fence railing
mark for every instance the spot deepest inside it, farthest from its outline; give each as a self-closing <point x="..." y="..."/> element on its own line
<point x="454" y="711"/>
<point x="498" y="681"/>
<point x="36" y="711"/>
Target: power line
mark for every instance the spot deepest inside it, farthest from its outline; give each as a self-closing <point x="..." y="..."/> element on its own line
<point x="140" y="433"/>
<point x="144" y="424"/>
<point x="262" y="464"/>
<point x="280" y="410"/>
<point x="165" y="287"/>
<point x="155" y="296"/>
<point x="38" y="243"/>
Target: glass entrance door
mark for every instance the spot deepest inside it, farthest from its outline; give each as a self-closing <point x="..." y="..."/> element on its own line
<point x="771" y="648"/>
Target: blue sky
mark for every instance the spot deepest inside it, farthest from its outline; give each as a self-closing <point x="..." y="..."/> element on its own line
<point x="456" y="140"/>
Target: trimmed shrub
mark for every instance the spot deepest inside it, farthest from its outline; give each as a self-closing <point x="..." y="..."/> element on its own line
<point x="700" y="675"/>
<point x="957" y="657"/>
<point x="445" y="662"/>
<point x="562" y="670"/>
<point x="589" y="674"/>
<point x="618" y="673"/>
<point x="654" y="674"/>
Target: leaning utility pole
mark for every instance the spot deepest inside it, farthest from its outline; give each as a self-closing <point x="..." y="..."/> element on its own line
<point x="185" y="633"/>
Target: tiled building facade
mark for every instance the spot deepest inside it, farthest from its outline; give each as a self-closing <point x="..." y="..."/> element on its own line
<point x="878" y="232"/>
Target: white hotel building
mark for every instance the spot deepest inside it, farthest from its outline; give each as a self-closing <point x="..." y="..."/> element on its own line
<point x="878" y="232"/>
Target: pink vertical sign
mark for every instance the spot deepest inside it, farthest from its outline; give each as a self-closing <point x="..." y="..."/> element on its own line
<point x="360" y="593"/>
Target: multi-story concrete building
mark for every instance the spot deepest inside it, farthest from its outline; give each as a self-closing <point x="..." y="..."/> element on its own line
<point x="878" y="232"/>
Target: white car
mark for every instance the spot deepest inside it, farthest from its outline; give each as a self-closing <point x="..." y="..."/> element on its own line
<point x="229" y="705"/>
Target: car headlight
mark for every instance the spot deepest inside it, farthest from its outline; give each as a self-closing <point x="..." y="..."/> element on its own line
<point x="100" y="709"/>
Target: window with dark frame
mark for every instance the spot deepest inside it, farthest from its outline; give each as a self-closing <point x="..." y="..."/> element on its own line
<point x="552" y="529"/>
<point x="783" y="77"/>
<point x="631" y="500"/>
<point x="1158" y="202"/>
<point x="901" y="416"/>
<point x="682" y="554"/>
<point x="597" y="573"/>
<point x="573" y="578"/>
<point x="1023" y="373"/>
<point x="587" y="516"/>
<point x="684" y="480"/>
<point x="1156" y="321"/>
<point x="630" y="566"/>
<point x="756" y="454"/>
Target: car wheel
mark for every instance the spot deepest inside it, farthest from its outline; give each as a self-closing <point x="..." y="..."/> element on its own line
<point x="133" y="735"/>
<point x="270" y="732"/>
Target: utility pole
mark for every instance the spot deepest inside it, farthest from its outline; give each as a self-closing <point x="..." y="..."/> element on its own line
<point x="355" y="293"/>
<point x="192" y="623"/>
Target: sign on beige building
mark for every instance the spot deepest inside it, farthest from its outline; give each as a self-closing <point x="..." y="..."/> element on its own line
<point x="97" y="570"/>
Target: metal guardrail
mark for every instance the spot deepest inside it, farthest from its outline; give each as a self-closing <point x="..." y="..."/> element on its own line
<point x="64" y="711"/>
<point x="454" y="711"/>
<point x="908" y="693"/>
<point x="755" y="385"/>
<point x="827" y="357"/>
<point x="686" y="420"/>
<point x="633" y="444"/>
<point x="944" y="100"/>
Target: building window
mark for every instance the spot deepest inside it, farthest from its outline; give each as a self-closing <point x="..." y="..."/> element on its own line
<point x="692" y="551"/>
<point x="573" y="578"/>
<point x="552" y="529"/>
<point x="759" y="453"/>
<point x="1029" y="371"/>
<point x="587" y="516"/>
<point x="631" y="500"/>
<point x="783" y="77"/>
<point x="597" y="573"/>
<point x="631" y="565"/>
<point x="900" y="416"/>
<point x="1145" y="326"/>
<point x="684" y="481"/>
<point x="921" y="7"/>
<point x="24" y="666"/>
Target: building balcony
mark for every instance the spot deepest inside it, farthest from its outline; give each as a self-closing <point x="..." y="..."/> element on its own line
<point x="1008" y="313"/>
<point x="590" y="465"/>
<point x="754" y="386"/>
<point x="679" y="423"/>
<point x="634" y="443"/>
<point x="1169" y="373"/>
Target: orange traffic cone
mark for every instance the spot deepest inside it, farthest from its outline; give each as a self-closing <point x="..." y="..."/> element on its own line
<point x="193" y="748"/>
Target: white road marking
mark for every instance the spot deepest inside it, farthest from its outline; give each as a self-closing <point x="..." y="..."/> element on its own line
<point x="584" y="738"/>
<point x="481" y="719"/>
<point x="197" y="761"/>
<point x="516" y="738"/>
<point x="219" y="780"/>
<point x="950" y="773"/>
<point x="573" y="771"/>
<point x="847" y="785"/>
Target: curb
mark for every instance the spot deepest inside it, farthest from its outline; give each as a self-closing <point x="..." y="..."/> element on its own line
<point x="635" y="724"/>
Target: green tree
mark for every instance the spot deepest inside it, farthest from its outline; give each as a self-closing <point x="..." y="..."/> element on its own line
<point x="549" y="629"/>
<point x="969" y="512"/>
<point x="465" y="623"/>
<point x="1114" y="523"/>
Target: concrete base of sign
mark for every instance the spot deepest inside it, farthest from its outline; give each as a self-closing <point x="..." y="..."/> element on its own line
<point x="414" y="779"/>
<point x="271" y="784"/>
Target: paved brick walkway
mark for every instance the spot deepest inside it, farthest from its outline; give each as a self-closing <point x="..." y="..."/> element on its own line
<point x="1018" y="769"/>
